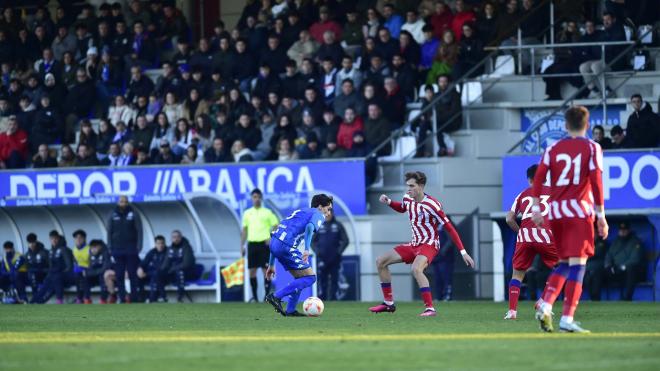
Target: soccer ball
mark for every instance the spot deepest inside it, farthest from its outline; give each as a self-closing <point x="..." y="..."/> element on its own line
<point x="313" y="306"/>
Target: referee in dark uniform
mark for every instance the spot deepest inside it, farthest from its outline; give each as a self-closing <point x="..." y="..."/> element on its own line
<point x="257" y="224"/>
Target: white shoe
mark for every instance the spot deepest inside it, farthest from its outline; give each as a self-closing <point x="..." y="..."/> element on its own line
<point x="572" y="327"/>
<point x="511" y="314"/>
<point x="593" y="94"/>
<point x="544" y="316"/>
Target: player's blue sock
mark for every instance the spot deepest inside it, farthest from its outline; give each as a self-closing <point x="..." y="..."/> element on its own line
<point x="293" y="301"/>
<point x="295" y="286"/>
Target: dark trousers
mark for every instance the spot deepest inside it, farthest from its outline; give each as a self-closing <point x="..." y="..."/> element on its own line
<point x="553" y="84"/>
<point x="624" y="279"/>
<point x="15" y="161"/>
<point x="156" y="280"/>
<point x="88" y="282"/>
<point x="35" y="279"/>
<point x="178" y="278"/>
<point x="328" y="276"/>
<point x="54" y="283"/>
<point x="443" y="273"/>
<point x="14" y="281"/>
<point x="423" y="128"/>
<point x="593" y="281"/>
<point x="126" y="263"/>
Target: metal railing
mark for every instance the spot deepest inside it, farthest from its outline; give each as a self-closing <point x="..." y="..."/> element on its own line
<point x="482" y="64"/>
<point x="533" y="130"/>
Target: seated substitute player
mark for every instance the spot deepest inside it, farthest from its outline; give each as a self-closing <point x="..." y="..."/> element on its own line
<point x="529" y="242"/>
<point x="37" y="263"/>
<point x="299" y="226"/>
<point x="13" y="274"/>
<point x="100" y="262"/>
<point x="179" y="264"/>
<point x="152" y="268"/>
<point x="576" y="196"/>
<point x="60" y="270"/>
<point x="426" y="217"/>
<point x="80" y="264"/>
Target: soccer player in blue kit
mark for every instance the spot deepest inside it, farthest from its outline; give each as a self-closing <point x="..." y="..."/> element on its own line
<point x="299" y="226"/>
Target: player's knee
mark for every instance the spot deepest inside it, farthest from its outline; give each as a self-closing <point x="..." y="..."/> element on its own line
<point x="417" y="269"/>
<point x="381" y="262"/>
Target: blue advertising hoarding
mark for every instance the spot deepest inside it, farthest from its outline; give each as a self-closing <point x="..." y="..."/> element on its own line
<point x="631" y="180"/>
<point x="286" y="184"/>
<point x="553" y="128"/>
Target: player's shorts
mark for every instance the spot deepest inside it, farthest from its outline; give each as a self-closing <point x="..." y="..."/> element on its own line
<point x="290" y="257"/>
<point x="525" y="253"/>
<point x="573" y="237"/>
<point x="257" y="254"/>
<point x="408" y="252"/>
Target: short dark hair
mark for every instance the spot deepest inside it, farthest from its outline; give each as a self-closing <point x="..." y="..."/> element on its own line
<point x="95" y="242"/>
<point x="636" y="95"/>
<point x="256" y="191"/>
<point x="577" y="118"/>
<point x="598" y="127"/>
<point x="531" y="171"/>
<point x="349" y="80"/>
<point x="321" y="199"/>
<point x="616" y="130"/>
<point x="418" y="176"/>
<point x="31" y="237"/>
<point x="159" y="238"/>
<point x="79" y="232"/>
<point x="8" y="245"/>
<point x="54" y="233"/>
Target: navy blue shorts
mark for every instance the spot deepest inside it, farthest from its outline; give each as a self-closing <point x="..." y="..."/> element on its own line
<point x="290" y="257"/>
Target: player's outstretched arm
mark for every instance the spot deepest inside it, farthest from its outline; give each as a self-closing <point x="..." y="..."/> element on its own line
<point x="394" y="205"/>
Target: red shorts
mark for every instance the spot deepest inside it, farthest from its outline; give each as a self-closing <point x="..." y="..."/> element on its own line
<point x="525" y="253"/>
<point x="409" y="252"/>
<point x="574" y="237"/>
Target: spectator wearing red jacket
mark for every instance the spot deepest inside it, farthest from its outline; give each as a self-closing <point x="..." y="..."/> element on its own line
<point x="441" y="19"/>
<point x="324" y="24"/>
<point x="461" y="16"/>
<point x="348" y="127"/>
<point x="13" y="146"/>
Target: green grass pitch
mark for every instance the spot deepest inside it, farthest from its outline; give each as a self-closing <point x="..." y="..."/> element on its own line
<point x="190" y="337"/>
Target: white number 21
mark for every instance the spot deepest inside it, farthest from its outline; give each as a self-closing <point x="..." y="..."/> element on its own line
<point x="568" y="161"/>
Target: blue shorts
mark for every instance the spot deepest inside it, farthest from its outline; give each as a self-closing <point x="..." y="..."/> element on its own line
<point x="290" y="257"/>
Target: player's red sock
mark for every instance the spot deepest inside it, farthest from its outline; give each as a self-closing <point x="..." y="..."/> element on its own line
<point x="573" y="289"/>
<point x="514" y="293"/>
<point x="387" y="292"/>
<point x="426" y="296"/>
<point x="555" y="283"/>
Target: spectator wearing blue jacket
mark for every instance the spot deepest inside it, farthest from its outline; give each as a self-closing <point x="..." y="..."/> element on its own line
<point x="393" y="21"/>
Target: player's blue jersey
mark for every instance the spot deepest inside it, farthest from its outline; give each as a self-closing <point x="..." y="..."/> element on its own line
<point x="291" y="231"/>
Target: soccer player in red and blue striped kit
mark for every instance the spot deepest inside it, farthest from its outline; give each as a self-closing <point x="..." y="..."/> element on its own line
<point x="426" y="217"/>
<point x="574" y="165"/>
<point x="530" y="240"/>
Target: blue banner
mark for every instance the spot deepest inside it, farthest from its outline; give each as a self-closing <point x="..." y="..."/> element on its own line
<point x="286" y="184"/>
<point x="553" y="128"/>
<point x="631" y="180"/>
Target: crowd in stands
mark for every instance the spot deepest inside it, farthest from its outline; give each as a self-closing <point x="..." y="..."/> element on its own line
<point x="97" y="262"/>
<point x="293" y="80"/>
<point x="642" y="129"/>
